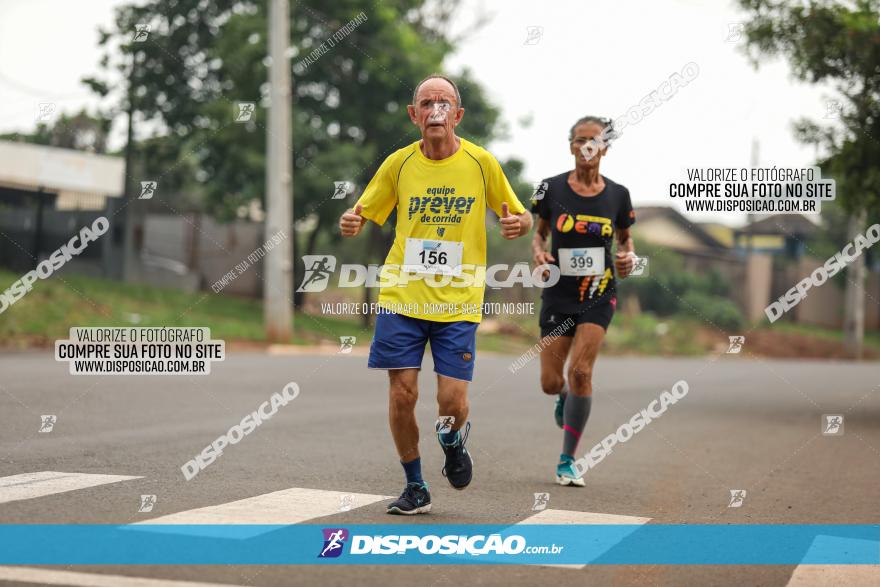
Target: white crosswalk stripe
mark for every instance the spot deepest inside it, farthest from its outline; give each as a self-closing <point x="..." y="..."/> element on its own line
<point x="43" y="483"/>
<point x="565" y="517"/>
<point x="77" y="579"/>
<point x="285" y="507"/>
<point x="837" y="575"/>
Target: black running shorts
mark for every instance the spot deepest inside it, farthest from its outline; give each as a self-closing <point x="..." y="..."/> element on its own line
<point x="564" y="324"/>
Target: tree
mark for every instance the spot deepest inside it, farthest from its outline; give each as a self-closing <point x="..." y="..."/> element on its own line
<point x="836" y="43"/>
<point x="201" y="58"/>
<point x="81" y="131"/>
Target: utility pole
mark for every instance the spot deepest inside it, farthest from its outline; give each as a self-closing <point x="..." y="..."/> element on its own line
<point x="129" y="217"/>
<point x="854" y="294"/>
<point x="754" y="161"/>
<point x="277" y="283"/>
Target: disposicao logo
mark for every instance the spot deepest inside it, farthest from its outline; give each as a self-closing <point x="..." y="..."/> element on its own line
<point x="403" y="544"/>
<point x="334" y="540"/>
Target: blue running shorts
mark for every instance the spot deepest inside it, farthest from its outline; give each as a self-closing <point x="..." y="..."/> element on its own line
<point x="399" y="343"/>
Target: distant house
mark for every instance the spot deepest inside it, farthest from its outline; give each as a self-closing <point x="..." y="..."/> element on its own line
<point x="760" y="261"/>
<point x="664" y="226"/>
<point x="722" y="233"/>
<point x="47" y="194"/>
<point x="708" y="247"/>
<point x="776" y="235"/>
<point x="64" y="179"/>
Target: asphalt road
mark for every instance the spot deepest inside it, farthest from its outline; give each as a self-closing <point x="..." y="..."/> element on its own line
<point x="745" y="424"/>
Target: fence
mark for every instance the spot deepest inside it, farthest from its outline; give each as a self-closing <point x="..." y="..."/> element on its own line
<point x="193" y="251"/>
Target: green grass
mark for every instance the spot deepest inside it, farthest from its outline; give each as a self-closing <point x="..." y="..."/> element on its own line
<point x="53" y="306"/>
<point x="646" y="334"/>
<point x="872" y="338"/>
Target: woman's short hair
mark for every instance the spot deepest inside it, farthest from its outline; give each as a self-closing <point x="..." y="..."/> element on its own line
<point x="605" y="123"/>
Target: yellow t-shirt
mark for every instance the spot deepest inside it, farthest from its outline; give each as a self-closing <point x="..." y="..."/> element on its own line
<point x="443" y="200"/>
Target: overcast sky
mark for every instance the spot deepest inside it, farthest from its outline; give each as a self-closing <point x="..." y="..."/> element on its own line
<point x="588" y="58"/>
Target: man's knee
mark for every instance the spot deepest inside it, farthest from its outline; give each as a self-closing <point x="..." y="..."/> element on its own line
<point x="452" y="401"/>
<point x="580" y="379"/>
<point x="551" y="384"/>
<point x="452" y="397"/>
<point x="403" y="393"/>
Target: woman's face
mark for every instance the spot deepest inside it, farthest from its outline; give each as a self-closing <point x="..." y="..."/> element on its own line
<point x="585" y="150"/>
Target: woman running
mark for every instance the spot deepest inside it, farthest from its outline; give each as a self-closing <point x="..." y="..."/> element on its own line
<point x="584" y="211"/>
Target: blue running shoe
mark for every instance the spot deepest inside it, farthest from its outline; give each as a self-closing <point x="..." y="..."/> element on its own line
<point x="566" y="474"/>
<point x="415" y="499"/>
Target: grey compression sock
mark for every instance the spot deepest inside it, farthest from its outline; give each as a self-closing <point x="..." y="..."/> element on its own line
<point x="575" y="414"/>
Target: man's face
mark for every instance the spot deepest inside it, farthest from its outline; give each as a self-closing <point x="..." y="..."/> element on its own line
<point x="436" y="111"/>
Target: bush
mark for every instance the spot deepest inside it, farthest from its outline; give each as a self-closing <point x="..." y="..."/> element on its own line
<point x="669" y="290"/>
<point x="718" y="311"/>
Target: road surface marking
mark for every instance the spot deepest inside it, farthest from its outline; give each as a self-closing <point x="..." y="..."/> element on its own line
<point x="285" y="507"/>
<point x="52" y="577"/>
<point x="565" y="517"/>
<point x="43" y="483"/>
<point x="837" y="575"/>
<point x="568" y="517"/>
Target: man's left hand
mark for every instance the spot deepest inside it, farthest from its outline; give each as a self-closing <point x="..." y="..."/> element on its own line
<point x="511" y="224"/>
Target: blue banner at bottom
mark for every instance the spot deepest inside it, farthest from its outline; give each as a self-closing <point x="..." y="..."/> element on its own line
<point x="160" y="544"/>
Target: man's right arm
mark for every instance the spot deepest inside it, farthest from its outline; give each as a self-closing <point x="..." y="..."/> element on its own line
<point x="377" y="201"/>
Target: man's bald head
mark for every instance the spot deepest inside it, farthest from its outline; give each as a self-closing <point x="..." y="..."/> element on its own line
<point x="436" y="110"/>
<point x="438" y="76"/>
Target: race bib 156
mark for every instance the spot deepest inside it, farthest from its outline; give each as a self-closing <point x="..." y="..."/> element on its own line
<point x="433" y="257"/>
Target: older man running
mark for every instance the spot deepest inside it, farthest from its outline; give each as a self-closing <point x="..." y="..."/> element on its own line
<point x="441" y="187"/>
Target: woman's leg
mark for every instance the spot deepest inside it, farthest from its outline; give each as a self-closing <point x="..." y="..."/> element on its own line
<point x="553" y="364"/>
<point x="587" y="341"/>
